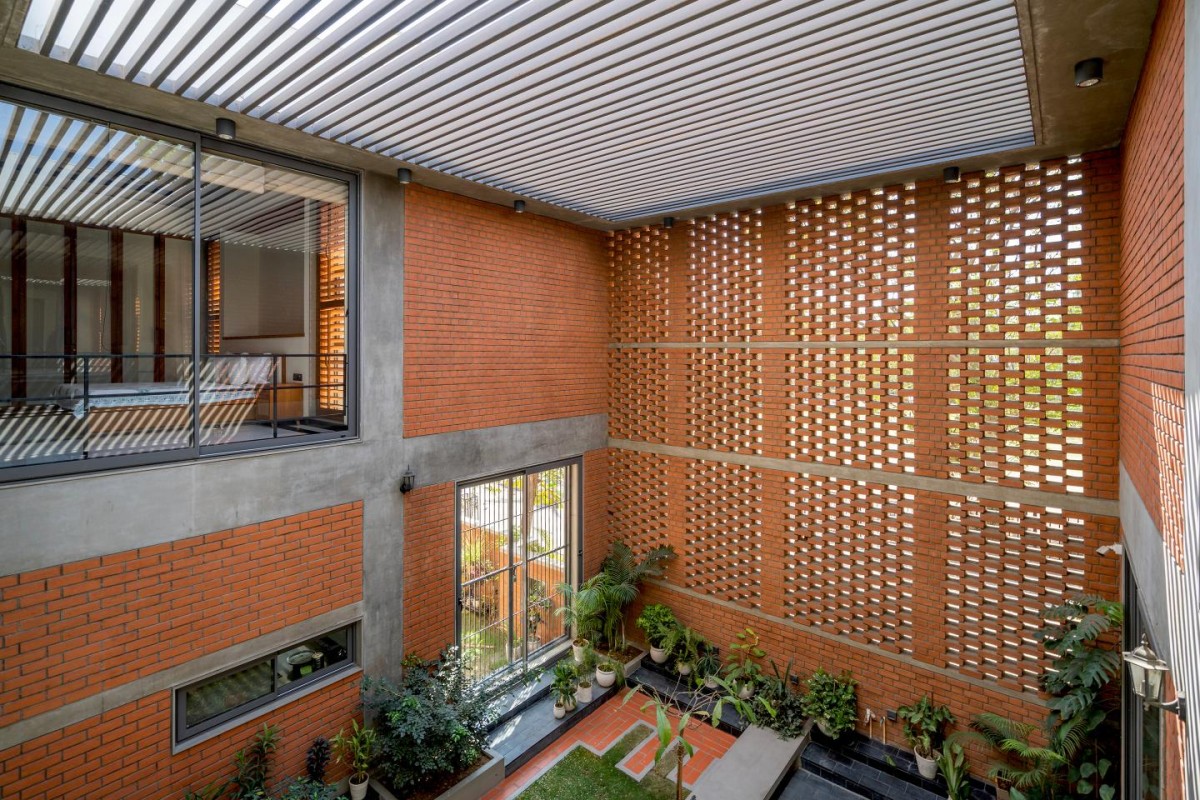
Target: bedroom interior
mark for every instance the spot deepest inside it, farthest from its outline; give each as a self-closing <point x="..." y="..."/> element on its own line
<point x="96" y="293"/>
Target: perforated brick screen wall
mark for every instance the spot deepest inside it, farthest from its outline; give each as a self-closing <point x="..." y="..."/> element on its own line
<point x="886" y="419"/>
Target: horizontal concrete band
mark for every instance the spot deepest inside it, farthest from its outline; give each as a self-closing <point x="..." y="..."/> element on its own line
<point x="1086" y="505"/>
<point x="874" y="344"/>
<point x="179" y="675"/>
<point x="1024" y="697"/>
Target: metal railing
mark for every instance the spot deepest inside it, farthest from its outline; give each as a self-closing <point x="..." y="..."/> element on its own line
<point x="57" y="423"/>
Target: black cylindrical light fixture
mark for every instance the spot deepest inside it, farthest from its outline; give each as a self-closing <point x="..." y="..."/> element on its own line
<point x="519" y="206"/>
<point x="226" y="129"/>
<point x="404" y="175"/>
<point x="668" y="222"/>
<point x="951" y="175"/>
<point x="1089" y="72"/>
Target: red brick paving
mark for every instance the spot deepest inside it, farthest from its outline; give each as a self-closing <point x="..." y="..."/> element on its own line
<point x="602" y="729"/>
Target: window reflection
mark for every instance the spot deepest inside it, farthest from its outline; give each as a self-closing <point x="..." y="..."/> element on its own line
<point x="99" y="274"/>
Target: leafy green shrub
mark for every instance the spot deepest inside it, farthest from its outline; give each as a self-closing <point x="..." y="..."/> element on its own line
<point x="832" y="701"/>
<point x="657" y="621"/>
<point x="923" y="723"/>
<point x="308" y="789"/>
<point x="317" y="760"/>
<point x="789" y="717"/>
<point x="253" y="765"/>
<point x="433" y="724"/>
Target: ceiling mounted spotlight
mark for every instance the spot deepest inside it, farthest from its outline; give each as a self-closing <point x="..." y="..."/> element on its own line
<point x="519" y="206"/>
<point x="404" y="175"/>
<point x="1089" y="72"/>
<point x="952" y="175"/>
<point x="668" y="222"/>
<point x="226" y="129"/>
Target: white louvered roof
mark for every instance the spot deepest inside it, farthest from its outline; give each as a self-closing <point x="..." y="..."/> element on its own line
<point x="614" y="108"/>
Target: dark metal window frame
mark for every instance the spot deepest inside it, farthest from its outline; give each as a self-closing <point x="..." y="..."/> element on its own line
<point x="201" y="144"/>
<point x="184" y="734"/>
<point x="574" y="566"/>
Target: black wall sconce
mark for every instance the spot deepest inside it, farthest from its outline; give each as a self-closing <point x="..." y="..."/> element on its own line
<point x="668" y="222"/>
<point x="951" y="175"/>
<point x="404" y="175"/>
<point x="407" y="481"/>
<point x="1089" y="72"/>
<point x="226" y="129"/>
<point x="519" y="206"/>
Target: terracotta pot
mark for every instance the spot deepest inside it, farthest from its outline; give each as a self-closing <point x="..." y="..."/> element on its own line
<point x="658" y="655"/>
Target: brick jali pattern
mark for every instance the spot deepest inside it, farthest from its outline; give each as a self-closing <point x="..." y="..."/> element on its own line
<point x="963" y="333"/>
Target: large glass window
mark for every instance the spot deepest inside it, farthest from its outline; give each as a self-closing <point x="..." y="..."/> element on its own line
<point x="516" y="536"/>
<point x="123" y="338"/>
<point x="232" y="694"/>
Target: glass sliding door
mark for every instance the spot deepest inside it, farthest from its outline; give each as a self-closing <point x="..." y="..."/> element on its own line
<point x="516" y="534"/>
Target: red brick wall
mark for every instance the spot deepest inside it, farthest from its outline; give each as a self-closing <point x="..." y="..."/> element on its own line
<point x="126" y="752"/>
<point x="1152" y="281"/>
<point x="71" y="631"/>
<point x="504" y="316"/>
<point x="1152" y="418"/>
<point x="429" y="579"/>
<point x="929" y="330"/>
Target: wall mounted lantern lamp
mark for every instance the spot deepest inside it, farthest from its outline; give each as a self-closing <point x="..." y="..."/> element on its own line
<point x="1146" y="673"/>
<point x="407" y="481"/>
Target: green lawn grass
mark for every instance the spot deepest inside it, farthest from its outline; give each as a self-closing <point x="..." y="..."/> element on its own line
<point x="584" y="775"/>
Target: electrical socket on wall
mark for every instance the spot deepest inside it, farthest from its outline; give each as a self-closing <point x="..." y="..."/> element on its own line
<point x="297" y="377"/>
<point x="891" y="715"/>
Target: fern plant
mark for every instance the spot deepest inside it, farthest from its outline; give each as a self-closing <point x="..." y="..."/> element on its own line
<point x="1081" y="730"/>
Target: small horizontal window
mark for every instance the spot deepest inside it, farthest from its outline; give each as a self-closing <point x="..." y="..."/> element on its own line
<point x="211" y="702"/>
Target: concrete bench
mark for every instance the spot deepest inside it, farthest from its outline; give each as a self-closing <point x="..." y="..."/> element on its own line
<point x="752" y="769"/>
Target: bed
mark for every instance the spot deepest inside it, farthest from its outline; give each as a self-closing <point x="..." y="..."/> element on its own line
<point x="152" y="415"/>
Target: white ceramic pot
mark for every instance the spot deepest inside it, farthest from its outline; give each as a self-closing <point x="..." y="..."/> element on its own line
<point x="711" y="682"/>
<point x="684" y="668"/>
<point x="577" y="650"/>
<point x="358" y="790"/>
<point x="927" y="766"/>
<point x="658" y="655"/>
<point x="605" y="679"/>
<point x="747" y="691"/>
<point x="583" y="693"/>
<point x="560" y="711"/>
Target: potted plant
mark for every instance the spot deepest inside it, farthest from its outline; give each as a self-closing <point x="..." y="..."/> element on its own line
<point x="657" y="621"/>
<point x="583" y="690"/>
<point x="563" y="687"/>
<point x="707" y="667"/>
<point x="742" y="670"/>
<point x="580" y="609"/>
<point x="831" y="700"/>
<point x="923" y="723"/>
<point x="685" y="644"/>
<point x="609" y="671"/>
<point x="356" y="749"/>
<point x="953" y="765"/>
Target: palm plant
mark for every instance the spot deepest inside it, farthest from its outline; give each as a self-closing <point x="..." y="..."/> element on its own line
<point x="597" y="607"/>
<point x="1028" y="767"/>
<point x="580" y="610"/>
